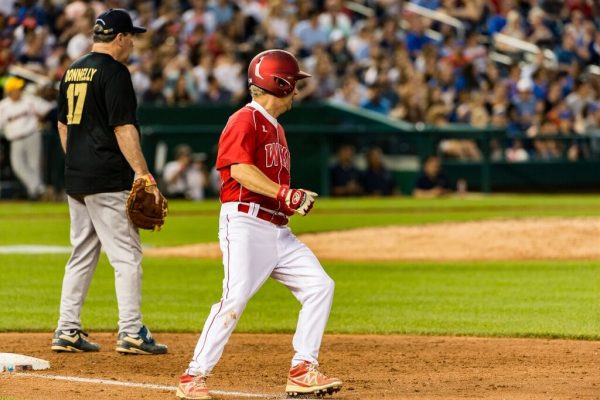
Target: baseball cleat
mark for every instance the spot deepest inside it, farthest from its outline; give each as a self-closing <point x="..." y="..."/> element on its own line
<point x="142" y="343"/>
<point x="192" y="387"/>
<point x="305" y="379"/>
<point x="72" y="341"/>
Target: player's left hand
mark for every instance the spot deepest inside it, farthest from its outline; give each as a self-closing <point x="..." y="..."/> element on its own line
<point x="300" y="201"/>
<point x="146" y="206"/>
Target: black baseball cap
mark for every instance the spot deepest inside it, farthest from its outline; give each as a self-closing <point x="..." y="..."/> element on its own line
<point x="117" y="20"/>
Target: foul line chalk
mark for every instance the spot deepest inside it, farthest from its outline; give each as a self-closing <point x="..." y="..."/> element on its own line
<point x="34" y="249"/>
<point x="141" y="385"/>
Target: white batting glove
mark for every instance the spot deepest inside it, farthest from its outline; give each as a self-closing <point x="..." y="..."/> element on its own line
<point x="300" y="201"/>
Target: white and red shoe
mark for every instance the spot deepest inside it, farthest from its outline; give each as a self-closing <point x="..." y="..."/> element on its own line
<point x="192" y="387"/>
<point x="305" y="378"/>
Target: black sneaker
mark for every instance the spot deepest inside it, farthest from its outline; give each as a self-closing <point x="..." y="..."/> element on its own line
<point x="142" y="343"/>
<point x="72" y="341"/>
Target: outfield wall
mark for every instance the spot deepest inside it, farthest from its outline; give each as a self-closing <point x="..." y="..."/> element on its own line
<point x="314" y="132"/>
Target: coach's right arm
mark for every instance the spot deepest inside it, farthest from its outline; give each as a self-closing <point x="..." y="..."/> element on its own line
<point x="62" y="133"/>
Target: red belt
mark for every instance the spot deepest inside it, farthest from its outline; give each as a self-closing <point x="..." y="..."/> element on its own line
<point x="265" y="215"/>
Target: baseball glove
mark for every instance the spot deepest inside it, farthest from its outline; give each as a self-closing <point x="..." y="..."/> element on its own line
<point x="142" y="209"/>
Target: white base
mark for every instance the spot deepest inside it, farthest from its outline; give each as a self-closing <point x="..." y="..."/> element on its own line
<point x="10" y="362"/>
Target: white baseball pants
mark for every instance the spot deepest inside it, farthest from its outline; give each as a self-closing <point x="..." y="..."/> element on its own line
<point x="26" y="162"/>
<point x="100" y="220"/>
<point x="254" y="250"/>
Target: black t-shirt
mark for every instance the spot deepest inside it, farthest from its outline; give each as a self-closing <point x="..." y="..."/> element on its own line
<point x="424" y="182"/>
<point x="96" y="95"/>
<point x="341" y="175"/>
<point x="380" y="182"/>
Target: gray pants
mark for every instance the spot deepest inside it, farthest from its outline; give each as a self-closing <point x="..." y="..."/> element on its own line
<point x="100" y="220"/>
<point x="26" y="162"/>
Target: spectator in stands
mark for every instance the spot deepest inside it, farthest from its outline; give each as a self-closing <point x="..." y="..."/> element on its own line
<point x="469" y="11"/>
<point x="228" y="72"/>
<point x="525" y="103"/>
<point x="359" y="44"/>
<point x="516" y="152"/>
<point x="278" y="22"/>
<point x="546" y="148"/>
<point x="377" y="180"/>
<point x="324" y="81"/>
<point x="310" y="32"/>
<point x="594" y="48"/>
<point x="432" y="182"/>
<point x="185" y="177"/>
<point x="345" y="177"/>
<point x="81" y="42"/>
<point x="580" y="97"/>
<point x="189" y="41"/>
<point x="334" y="18"/>
<point x="350" y="92"/>
<point x="375" y="101"/>
<point x="20" y="116"/>
<point x="540" y="34"/>
<point x="154" y="94"/>
<point x="183" y="93"/>
<point x="567" y="53"/>
<point x="215" y="94"/>
<point x="339" y="53"/>
<point x="497" y="20"/>
<point x="223" y="11"/>
<point x="592" y="126"/>
<point x="476" y="53"/>
<point x="514" y="29"/>
<point x="416" y="38"/>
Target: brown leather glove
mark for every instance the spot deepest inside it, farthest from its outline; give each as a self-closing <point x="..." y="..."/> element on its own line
<point x="142" y="208"/>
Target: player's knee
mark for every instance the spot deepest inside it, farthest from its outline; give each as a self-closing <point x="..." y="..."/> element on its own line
<point x="328" y="286"/>
<point x="238" y="302"/>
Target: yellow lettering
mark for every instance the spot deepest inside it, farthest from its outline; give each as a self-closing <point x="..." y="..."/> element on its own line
<point x="75" y="100"/>
<point x="80" y="74"/>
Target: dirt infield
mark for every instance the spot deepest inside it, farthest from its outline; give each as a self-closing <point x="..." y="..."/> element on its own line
<point x="522" y="239"/>
<point x="372" y="367"/>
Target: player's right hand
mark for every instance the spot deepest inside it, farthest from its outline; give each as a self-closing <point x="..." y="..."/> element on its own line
<point x="300" y="201"/>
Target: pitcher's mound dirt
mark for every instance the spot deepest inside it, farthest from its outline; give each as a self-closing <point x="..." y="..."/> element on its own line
<point x="515" y="239"/>
<point x="372" y="367"/>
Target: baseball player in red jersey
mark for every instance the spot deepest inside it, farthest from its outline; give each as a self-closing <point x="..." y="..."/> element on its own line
<point x="254" y="163"/>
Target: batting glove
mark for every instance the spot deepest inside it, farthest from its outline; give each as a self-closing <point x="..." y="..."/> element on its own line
<point x="298" y="200"/>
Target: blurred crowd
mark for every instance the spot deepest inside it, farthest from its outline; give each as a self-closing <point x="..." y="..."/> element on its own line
<point x="381" y="55"/>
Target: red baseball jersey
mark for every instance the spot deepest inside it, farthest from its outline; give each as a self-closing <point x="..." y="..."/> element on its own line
<point x="253" y="136"/>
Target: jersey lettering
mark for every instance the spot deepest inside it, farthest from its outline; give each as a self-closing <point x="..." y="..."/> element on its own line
<point x="75" y="100"/>
<point x="285" y="157"/>
<point x="80" y="74"/>
<point x="274" y="153"/>
<point x="271" y="154"/>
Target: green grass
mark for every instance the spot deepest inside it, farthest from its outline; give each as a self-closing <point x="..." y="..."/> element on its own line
<point x="188" y="222"/>
<point x="545" y="299"/>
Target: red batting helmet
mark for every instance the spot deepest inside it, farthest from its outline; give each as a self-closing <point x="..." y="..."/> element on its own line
<point x="275" y="71"/>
